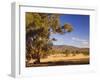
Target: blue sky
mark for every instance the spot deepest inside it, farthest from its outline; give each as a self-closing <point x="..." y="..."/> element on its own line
<point x="79" y="37"/>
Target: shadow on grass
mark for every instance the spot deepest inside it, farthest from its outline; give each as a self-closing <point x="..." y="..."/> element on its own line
<point x="57" y="63"/>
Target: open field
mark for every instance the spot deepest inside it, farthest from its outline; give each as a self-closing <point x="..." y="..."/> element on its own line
<point x="60" y="59"/>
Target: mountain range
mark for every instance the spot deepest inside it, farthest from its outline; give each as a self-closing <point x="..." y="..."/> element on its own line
<point x="71" y="48"/>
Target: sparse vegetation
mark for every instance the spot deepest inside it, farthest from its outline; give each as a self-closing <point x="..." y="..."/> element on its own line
<point x="86" y="53"/>
<point x="41" y="51"/>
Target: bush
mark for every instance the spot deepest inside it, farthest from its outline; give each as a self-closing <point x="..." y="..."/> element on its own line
<point x="86" y="53"/>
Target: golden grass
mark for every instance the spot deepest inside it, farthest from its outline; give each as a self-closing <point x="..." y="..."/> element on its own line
<point x="54" y="58"/>
<point x="62" y="57"/>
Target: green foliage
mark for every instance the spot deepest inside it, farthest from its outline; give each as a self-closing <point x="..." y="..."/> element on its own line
<point x="38" y="29"/>
<point x="86" y="53"/>
<point x="68" y="27"/>
<point x="77" y="52"/>
<point x="66" y="52"/>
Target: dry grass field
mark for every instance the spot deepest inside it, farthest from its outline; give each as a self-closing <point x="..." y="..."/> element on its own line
<point x="60" y="59"/>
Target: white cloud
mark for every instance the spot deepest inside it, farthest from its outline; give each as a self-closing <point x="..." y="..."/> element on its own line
<point x="85" y="44"/>
<point x="77" y="39"/>
<point x="81" y="42"/>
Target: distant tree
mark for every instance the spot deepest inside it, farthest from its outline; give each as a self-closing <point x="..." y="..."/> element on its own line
<point x="39" y="26"/>
<point x="66" y="52"/>
<point x="86" y="53"/>
<point x="77" y="52"/>
<point x="74" y="53"/>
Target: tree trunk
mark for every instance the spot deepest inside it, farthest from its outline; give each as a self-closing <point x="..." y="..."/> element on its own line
<point x="37" y="58"/>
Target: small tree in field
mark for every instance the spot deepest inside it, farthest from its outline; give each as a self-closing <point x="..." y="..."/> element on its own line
<point x="39" y="26"/>
<point x="66" y="52"/>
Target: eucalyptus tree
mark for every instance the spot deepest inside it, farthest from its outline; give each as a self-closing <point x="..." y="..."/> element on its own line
<point x="39" y="27"/>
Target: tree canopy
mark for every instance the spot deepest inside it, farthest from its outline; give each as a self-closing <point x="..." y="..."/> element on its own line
<point x="39" y="27"/>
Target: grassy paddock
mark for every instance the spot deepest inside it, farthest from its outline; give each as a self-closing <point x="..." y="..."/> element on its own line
<point x="60" y="59"/>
